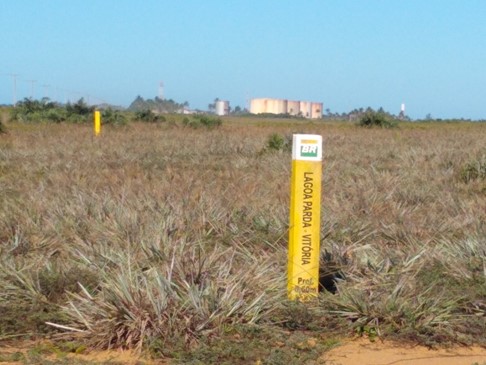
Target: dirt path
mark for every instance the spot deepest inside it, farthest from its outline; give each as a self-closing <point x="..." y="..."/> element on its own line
<point x="364" y="352"/>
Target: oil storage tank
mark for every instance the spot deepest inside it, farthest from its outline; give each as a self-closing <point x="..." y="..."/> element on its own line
<point x="316" y="110"/>
<point x="293" y="107"/>
<point x="221" y="107"/>
<point x="305" y="109"/>
<point x="258" y="106"/>
<point x="281" y="106"/>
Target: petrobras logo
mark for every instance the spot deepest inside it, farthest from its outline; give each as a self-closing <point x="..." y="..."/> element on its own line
<point x="307" y="147"/>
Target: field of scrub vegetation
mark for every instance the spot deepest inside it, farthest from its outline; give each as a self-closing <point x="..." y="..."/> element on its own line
<point x="171" y="239"/>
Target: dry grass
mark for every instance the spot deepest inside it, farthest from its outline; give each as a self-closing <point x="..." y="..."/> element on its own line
<point x="157" y="235"/>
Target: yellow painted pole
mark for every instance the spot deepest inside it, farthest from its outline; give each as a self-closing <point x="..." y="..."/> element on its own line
<point x="305" y="217"/>
<point x="97" y="123"/>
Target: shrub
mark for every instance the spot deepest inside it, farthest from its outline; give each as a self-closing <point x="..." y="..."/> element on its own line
<point x="277" y="142"/>
<point x="474" y="170"/>
<point x="56" y="115"/>
<point x="378" y="119"/>
<point x="29" y="110"/>
<point x="79" y="108"/>
<point x="2" y="128"/>
<point x="208" y="121"/>
<point x="202" y="121"/>
<point x="113" y="117"/>
<point x="149" y="116"/>
<point x="189" y="122"/>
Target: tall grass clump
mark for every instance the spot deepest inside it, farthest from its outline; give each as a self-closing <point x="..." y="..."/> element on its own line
<point x="474" y="170"/>
<point x="414" y="292"/>
<point x="173" y="293"/>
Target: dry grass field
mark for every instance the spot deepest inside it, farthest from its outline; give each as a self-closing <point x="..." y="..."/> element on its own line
<point x="173" y="241"/>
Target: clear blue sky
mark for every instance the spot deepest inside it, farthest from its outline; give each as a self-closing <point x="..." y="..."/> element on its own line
<point x="428" y="54"/>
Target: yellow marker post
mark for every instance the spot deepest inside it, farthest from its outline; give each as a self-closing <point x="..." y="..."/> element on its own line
<point x="97" y="123"/>
<point x="305" y="217"/>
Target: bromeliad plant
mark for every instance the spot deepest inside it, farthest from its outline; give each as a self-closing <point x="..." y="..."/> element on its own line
<point x="181" y="290"/>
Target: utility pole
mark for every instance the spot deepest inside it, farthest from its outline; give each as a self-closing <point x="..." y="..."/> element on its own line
<point x="14" y="91"/>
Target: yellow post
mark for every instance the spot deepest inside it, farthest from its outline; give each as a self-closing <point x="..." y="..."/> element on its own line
<point x="97" y="123"/>
<point x="305" y="217"/>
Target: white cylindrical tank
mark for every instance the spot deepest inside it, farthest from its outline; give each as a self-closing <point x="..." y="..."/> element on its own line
<point x="270" y="106"/>
<point x="281" y="106"/>
<point x="222" y="107"/>
<point x="293" y="107"/>
<point x="258" y="106"/>
<point x="305" y="109"/>
<point x="316" y="110"/>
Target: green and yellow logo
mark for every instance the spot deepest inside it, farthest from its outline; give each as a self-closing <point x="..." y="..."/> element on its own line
<point x="308" y="148"/>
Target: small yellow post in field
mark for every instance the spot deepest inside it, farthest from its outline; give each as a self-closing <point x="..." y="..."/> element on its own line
<point x="97" y="123"/>
<point x="305" y="217"/>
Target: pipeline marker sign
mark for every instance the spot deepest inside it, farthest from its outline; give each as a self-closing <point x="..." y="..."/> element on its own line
<point x="305" y="217"/>
<point x="97" y="123"/>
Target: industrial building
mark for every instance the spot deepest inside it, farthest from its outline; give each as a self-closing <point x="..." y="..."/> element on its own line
<point x="221" y="107"/>
<point x="306" y="109"/>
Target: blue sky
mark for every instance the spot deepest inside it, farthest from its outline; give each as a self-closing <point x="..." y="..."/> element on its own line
<point x="428" y="54"/>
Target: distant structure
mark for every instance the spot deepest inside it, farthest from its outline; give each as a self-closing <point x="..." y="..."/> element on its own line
<point x="221" y="107"/>
<point x="306" y="109"/>
<point x="402" y="111"/>
<point x="161" y="90"/>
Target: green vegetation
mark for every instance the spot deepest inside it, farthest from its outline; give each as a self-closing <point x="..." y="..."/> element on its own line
<point x="376" y="119"/>
<point x="202" y="120"/>
<point x="277" y="142"/>
<point x="148" y="116"/>
<point x="32" y="111"/>
<point x="156" y="105"/>
<point x="173" y="240"/>
<point x="113" y="117"/>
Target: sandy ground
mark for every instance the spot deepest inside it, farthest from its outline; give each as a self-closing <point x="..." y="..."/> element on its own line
<point x="364" y="352"/>
<point x="99" y="357"/>
<point x="351" y="352"/>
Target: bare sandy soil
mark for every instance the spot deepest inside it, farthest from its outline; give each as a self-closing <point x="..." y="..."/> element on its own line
<point x="8" y="352"/>
<point x="351" y="352"/>
<point x="364" y="352"/>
